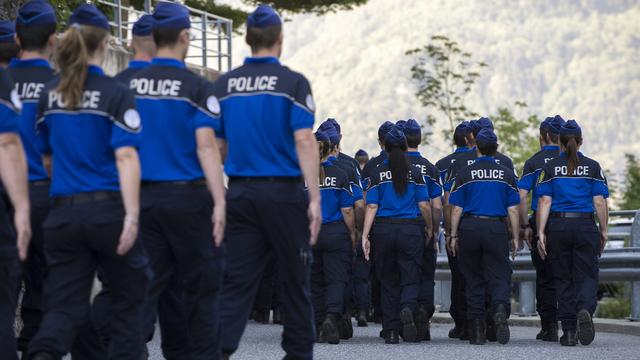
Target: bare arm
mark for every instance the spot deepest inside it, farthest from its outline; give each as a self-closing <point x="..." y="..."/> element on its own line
<point x="425" y="210"/>
<point x="13" y="171"/>
<point x="359" y="214"/>
<point x="307" y="150"/>
<point x="209" y="157"/>
<point x="350" y="221"/>
<point x="129" y="175"/>
<point x="222" y="145"/>
<point x="46" y="162"/>
<point x="436" y="215"/>
<point x="456" y="216"/>
<point x="602" y="213"/>
<point x="515" y="229"/>
<point x="369" y="217"/>
<point x="544" y="207"/>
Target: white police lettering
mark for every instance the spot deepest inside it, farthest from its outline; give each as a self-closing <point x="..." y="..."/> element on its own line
<point x="469" y="162"/>
<point x="581" y="170"/>
<point x="90" y="100"/>
<point x="422" y="168"/>
<point x="328" y="182"/>
<point x="29" y="90"/>
<point x="386" y="175"/>
<point x="496" y="174"/>
<point x="258" y="83"/>
<point x="162" y="87"/>
<point x="546" y="160"/>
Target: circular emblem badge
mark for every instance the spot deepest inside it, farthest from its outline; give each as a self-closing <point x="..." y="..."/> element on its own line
<point x="132" y="118"/>
<point x="15" y="99"/>
<point x="213" y="105"/>
<point x="310" y="103"/>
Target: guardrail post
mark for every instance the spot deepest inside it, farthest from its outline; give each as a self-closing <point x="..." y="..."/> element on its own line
<point x="635" y="285"/>
<point x="147" y="6"/>
<point x="527" y="298"/>
<point x="219" y="29"/>
<point x="229" y="37"/>
<point x="443" y="288"/>
<point x="204" y="39"/>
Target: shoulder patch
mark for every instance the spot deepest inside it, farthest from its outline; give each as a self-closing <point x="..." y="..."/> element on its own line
<point x="213" y="105"/>
<point x="132" y="119"/>
<point x="15" y="99"/>
<point x="310" y="103"/>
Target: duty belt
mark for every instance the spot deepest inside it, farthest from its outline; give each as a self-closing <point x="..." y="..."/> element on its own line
<point x="84" y="198"/>
<point x="482" y="217"/>
<point x="265" y="179"/>
<point x="387" y="220"/>
<point x="199" y="182"/>
<point x="572" y="215"/>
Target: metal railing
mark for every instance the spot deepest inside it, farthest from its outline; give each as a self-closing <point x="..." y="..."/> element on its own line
<point x="620" y="264"/>
<point x="211" y="35"/>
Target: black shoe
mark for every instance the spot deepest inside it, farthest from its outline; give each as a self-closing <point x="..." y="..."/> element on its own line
<point x="345" y="327"/>
<point x="422" y="323"/>
<point x="277" y="316"/>
<point x="541" y="334"/>
<point x="42" y="356"/>
<point x="490" y="330"/>
<point x="392" y="337"/>
<point x="383" y="333"/>
<point x="551" y="333"/>
<point x="145" y="352"/>
<point x="586" y="331"/>
<point x="501" y="324"/>
<point x="261" y="317"/>
<point x="320" y="338"/>
<point x="362" y="318"/>
<point x="330" y="329"/>
<point x="409" y="330"/>
<point x="477" y="334"/>
<point x="568" y="338"/>
<point x="454" y="333"/>
<point x="464" y="333"/>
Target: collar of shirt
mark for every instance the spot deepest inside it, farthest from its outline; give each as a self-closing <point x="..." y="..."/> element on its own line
<point x="564" y="154"/>
<point x="327" y="162"/>
<point x="138" y="64"/>
<point x="463" y="149"/>
<point x="95" y="69"/>
<point x="168" y="62"/>
<point x="262" y="60"/>
<point x="332" y="158"/>
<point x="414" y="153"/>
<point x="37" y="62"/>
<point x="551" y="147"/>
<point x="486" y="158"/>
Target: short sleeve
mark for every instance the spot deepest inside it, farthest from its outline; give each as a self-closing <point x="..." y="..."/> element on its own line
<point x="347" y="198"/>
<point x="208" y="104"/>
<point x="433" y="182"/>
<point x="127" y="124"/>
<point x="528" y="179"/>
<point x="421" y="188"/>
<point x="304" y="106"/>
<point x="546" y="183"/>
<point x="599" y="186"/>
<point x="458" y="194"/>
<point x="9" y="105"/>
<point x="513" y="197"/>
<point x="42" y="131"/>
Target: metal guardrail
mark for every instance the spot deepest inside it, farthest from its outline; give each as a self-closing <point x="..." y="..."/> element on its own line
<point x="622" y="264"/>
<point x="211" y="34"/>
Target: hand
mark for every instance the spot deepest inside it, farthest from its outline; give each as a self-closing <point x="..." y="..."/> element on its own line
<point x="219" y="221"/>
<point x="128" y="236"/>
<point x="514" y="247"/>
<point x="447" y="243"/>
<point x="453" y="245"/>
<point x="366" y="246"/>
<point x="603" y="241"/>
<point x="436" y="245"/>
<point x="22" y="224"/>
<point x="315" y="220"/>
<point x="542" y="245"/>
<point x="528" y="236"/>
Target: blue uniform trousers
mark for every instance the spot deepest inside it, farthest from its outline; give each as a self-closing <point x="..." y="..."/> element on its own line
<point x="427" y="277"/>
<point x="79" y="237"/>
<point x="263" y="216"/>
<point x="458" y="307"/>
<point x="484" y="261"/>
<point x="360" y="279"/>
<point x="546" y="302"/>
<point x="398" y="258"/>
<point x="9" y="277"/>
<point x="267" y="296"/>
<point x="330" y="270"/>
<point x="177" y="233"/>
<point x="573" y="246"/>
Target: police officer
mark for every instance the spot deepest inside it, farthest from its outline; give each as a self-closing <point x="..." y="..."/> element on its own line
<point x="458" y="306"/>
<point x="396" y="194"/>
<point x="430" y="174"/>
<point x="573" y="187"/>
<point x="270" y="107"/>
<point x="183" y="205"/>
<point x="362" y="157"/>
<point x="89" y="123"/>
<point x="546" y="303"/>
<point x="8" y="47"/>
<point x="13" y="173"/>
<point x="36" y="34"/>
<point x="143" y="46"/>
<point x="333" y="252"/>
<point x="483" y="195"/>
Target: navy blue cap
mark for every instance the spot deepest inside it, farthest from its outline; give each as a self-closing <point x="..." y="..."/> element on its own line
<point x="144" y="26"/>
<point x="555" y="124"/>
<point x="264" y="16"/>
<point x="322" y="136"/>
<point x="361" y="153"/>
<point x="411" y="127"/>
<point x="170" y="15"/>
<point x="463" y="128"/>
<point x="384" y="129"/>
<point x="401" y="123"/>
<point x="544" y="125"/>
<point x="328" y="128"/>
<point x="486" y="136"/>
<point x="87" y="14"/>
<point x="395" y="137"/>
<point x="335" y="124"/>
<point x="36" y="12"/>
<point x="571" y="127"/>
<point x="7" y="32"/>
<point x="482" y="123"/>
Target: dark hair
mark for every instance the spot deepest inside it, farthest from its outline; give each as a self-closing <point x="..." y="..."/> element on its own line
<point x="488" y="149"/>
<point x="571" y="143"/>
<point x="263" y="38"/>
<point x="72" y="57"/>
<point x="324" y="148"/>
<point x="34" y="37"/>
<point x="8" y="51"/>
<point x="164" y="37"/>
<point x="459" y="140"/>
<point x="413" y="140"/>
<point x="470" y="138"/>
<point x="399" y="166"/>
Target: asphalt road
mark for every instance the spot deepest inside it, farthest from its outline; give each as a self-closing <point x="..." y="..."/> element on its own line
<point x="262" y="342"/>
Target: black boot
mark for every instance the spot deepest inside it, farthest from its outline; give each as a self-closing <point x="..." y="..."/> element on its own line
<point x="362" y="318"/>
<point x="261" y="317"/>
<point x="346" y="327"/>
<point x="568" y="338"/>
<point x="422" y="322"/>
<point x="330" y="328"/>
<point x="541" y="334"/>
<point x="464" y="332"/>
<point x="490" y="329"/>
<point x="454" y="333"/>
<point x="391" y="337"/>
<point x="500" y="322"/>
<point x="477" y="334"/>
<point x="586" y="330"/>
<point x="409" y="330"/>
<point x="42" y="356"/>
<point x="551" y="332"/>
<point x="277" y="316"/>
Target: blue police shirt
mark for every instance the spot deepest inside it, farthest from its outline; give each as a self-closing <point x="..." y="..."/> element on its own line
<point x="429" y="173"/>
<point x="262" y="104"/>
<point x="173" y="103"/>
<point x="83" y="140"/>
<point x="445" y="163"/>
<point x="391" y="204"/>
<point x="467" y="158"/>
<point x="335" y="193"/>
<point x="533" y="168"/>
<point x="30" y="77"/>
<point x="9" y="105"/>
<point x="370" y="168"/>
<point x="354" y="179"/>
<point x="573" y="192"/>
<point x="127" y="74"/>
<point x="485" y="188"/>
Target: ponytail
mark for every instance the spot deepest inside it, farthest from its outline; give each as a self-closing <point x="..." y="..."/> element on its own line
<point x="399" y="167"/>
<point x="324" y="148"/>
<point x="571" y="144"/>
<point x="78" y="44"/>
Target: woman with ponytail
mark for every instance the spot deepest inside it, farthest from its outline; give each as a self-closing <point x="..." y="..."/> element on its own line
<point x="89" y="124"/>
<point x="572" y="190"/>
<point x="396" y="194"/>
<point x="332" y="253"/>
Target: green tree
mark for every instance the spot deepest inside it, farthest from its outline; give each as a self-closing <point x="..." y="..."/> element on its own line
<point x="517" y="136"/>
<point x="631" y="184"/>
<point x="444" y="75"/>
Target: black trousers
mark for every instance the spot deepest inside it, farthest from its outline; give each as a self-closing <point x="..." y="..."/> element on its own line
<point x="177" y="233"/>
<point x="573" y="246"/>
<point x="428" y="275"/>
<point x="9" y="276"/>
<point x="267" y="296"/>
<point x="458" y="307"/>
<point x="484" y="261"/>
<point x="265" y="217"/>
<point x="79" y="238"/>
<point x="546" y="302"/>
<point x="360" y="279"/>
